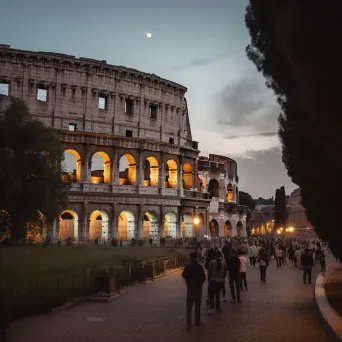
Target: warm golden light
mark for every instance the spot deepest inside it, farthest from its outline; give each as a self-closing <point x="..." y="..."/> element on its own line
<point x="281" y="229"/>
<point x="278" y="231"/>
<point x="287" y="229"/>
<point x="196" y="220"/>
<point x="291" y="229"/>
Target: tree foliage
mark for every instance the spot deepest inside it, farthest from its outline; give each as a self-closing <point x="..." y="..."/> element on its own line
<point x="280" y="211"/>
<point x="293" y="44"/>
<point x="246" y="199"/>
<point x="30" y="179"/>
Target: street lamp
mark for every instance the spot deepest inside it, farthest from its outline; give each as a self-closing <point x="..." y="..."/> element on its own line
<point x="291" y="229"/>
<point x="196" y="220"/>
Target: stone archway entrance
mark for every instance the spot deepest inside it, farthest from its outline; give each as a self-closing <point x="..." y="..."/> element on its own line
<point x="98" y="226"/>
<point x="150" y="226"/>
<point x="68" y="225"/>
<point x="227" y="229"/>
<point x="126" y="225"/>
<point x="170" y="225"/>
<point x="214" y="228"/>
<point x="239" y="228"/>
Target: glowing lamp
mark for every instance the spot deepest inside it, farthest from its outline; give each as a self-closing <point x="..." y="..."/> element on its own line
<point x="196" y="220"/>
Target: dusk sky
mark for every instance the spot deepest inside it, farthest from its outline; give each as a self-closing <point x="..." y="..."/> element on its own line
<point x="197" y="43"/>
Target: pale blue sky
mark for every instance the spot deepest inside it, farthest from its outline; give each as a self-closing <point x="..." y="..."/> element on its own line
<point x="197" y="43"/>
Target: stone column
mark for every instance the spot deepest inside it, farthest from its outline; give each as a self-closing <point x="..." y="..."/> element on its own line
<point x="140" y="224"/>
<point x="161" y="175"/>
<point x="114" y="223"/>
<point x="51" y="230"/>
<point x="179" y="226"/>
<point x="83" y="229"/>
<point x="140" y="170"/>
<point x="180" y="176"/>
<point x="116" y="168"/>
<point x="195" y="179"/>
<point x="161" y="221"/>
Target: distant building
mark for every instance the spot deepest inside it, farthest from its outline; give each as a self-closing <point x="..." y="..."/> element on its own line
<point x="297" y="216"/>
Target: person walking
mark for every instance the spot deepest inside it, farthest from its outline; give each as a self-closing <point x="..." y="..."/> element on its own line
<point x="307" y="264"/>
<point x="322" y="261"/>
<point x="194" y="277"/>
<point x="217" y="273"/>
<point x="209" y="257"/>
<point x="263" y="263"/>
<point x="233" y="275"/>
<point x="251" y="255"/>
<point x="279" y="256"/>
<point x="243" y="270"/>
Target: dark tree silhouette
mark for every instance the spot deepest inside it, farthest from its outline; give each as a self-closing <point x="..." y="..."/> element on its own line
<point x="300" y="63"/>
<point x="30" y="178"/>
<point x="280" y="211"/>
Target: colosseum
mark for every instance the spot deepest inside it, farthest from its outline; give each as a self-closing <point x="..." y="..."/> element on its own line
<point x="151" y="181"/>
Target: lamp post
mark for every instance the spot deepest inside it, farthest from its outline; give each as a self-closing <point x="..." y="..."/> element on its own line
<point x="196" y="222"/>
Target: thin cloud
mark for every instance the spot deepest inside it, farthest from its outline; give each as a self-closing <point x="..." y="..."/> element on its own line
<point x="247" y="135"/>
<point x="247" y="103"/>
<point x="201" y="61"/>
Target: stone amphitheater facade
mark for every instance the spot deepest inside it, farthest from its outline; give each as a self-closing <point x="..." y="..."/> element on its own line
<point x="116" y="112"/>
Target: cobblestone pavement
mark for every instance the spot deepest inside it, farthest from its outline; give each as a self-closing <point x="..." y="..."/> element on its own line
<point x="280" y="310"/>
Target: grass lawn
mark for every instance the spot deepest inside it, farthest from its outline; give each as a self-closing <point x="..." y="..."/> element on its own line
<point x="38" y="279"/>
<point x="333" y="290"/>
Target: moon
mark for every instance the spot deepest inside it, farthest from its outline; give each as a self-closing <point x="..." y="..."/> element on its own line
<point x="148" y="35"/>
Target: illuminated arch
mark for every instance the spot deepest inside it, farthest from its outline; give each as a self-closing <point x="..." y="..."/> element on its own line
<point x="170" y="224"/>
<point x="227" y="228"/>
<point x="151" y="171"/>
<point x="98" y="226"/>
<point x="202" y="184"/>
<point x="171" y="173"/>
<point x="199" y="227"/>
<point x="128" y="176"/>
<point x="68" y="225"/>
<point x="187" y="176"/>
<point x="239" y="228"/>
<point x="187" y="229"/>
<point x="102" y="175"/>
<point x="214" y="188"/>
<point x="150" y="225"/>
<point x="126" y="225"/>
<point x="214" y="228"/>
<point x="230" y="193"/>
<point x="75" y="175"/>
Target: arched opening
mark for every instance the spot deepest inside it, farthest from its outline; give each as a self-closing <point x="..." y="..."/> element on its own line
<point x="214" y="228"/>
<point x="72" y="165"/>
<point x="199" y="225"/>
<point x="187" y="230"/>
<point x="230" y="193"/>
<point x="68" y="225"/>
<point x="227" y="228"/>
<point x="126" y="226"/>
<point x="214" y="188"/>
<point x="170" y="224"/>
<point x="98" y="227"/>
<point x="171" y="174"/>
<point x="100" y="168"/>
<point x="239" y="228"/>
<point x="202" y="184"/>
<point x="151" y="171"/>
<point x="187" y="176"/>
<point x="128" y="170"/>
<point x="150" y="225"/>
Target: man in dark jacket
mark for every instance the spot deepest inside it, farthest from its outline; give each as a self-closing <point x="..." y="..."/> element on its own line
<point x="233" y="266"/>
<point x="194" y="276"/>
<point x="307" y="264"/>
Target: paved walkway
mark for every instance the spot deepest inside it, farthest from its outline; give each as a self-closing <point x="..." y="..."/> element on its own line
<point x="280" y="310"/>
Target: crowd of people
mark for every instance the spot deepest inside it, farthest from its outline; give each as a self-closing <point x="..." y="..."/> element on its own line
<point x="216" y="264"/>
